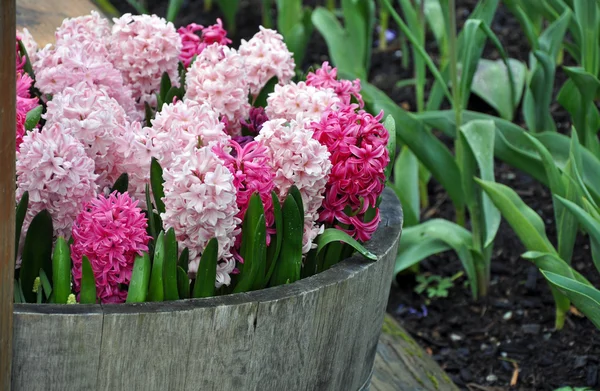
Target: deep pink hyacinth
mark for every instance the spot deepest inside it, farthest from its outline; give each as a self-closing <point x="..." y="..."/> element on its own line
<point x="326" y="77"/>
<point x="194" y="43"/>
<point x="110" y="231"/>
<point x="255" y="121"/>
<point x="252" y="173"/>
<point x="24" y="104"/>
<point x="357" y="142"/>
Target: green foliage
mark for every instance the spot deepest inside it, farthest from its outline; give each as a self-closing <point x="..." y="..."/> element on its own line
<point x="435" y="286"/>
<point x="349" y="45"/>
<point x="295" y="24"/>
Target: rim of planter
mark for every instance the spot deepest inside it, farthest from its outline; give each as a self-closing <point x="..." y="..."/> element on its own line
<point x="381" y="243"/>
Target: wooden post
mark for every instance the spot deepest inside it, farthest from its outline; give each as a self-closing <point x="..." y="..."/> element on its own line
<point x="7" y="184"/>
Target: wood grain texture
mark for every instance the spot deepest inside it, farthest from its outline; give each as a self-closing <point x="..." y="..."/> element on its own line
<point x="42" y="18"/>
<point x="401" y="364"/>
<point x="7" y="185"/>
<point x="319" y="333"/>
<point x="56" y="351"/>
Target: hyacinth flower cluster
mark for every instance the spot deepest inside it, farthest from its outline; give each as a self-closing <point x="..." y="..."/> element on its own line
<point x="156" y="158"/>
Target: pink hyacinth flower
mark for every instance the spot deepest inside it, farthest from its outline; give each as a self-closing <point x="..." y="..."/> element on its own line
<point x="357" y="142"/>
<point x="110" y="232"/>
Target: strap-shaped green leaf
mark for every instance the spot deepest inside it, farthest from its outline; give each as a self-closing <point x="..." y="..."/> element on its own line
<point x="61" y="271"/>
<point x="206" y="277"/>
<point x="121" y="184"/>
<point x="526" y="223"/>
<point x="433" y="237"/>
<point x="170" y="266"/>
<point x="287" y="268"/>
<point x="156" y="291"/>
<point x="33" y="117"/>
<point x="140" y="279"/>
<point x="586" y="298"/>
<point x="19" y="218"/>
<point x="335" y="235"/>
<point x="87" y="295"/>
<point x="37" y="252"/>
<point x="156" y="181"/>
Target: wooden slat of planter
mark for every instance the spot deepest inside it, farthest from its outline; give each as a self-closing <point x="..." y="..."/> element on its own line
<point x="401" y="364"/>
<point x="63" y="348"/>
<point x="129" y="335"/>
<point x="43" y="17"/>
<point x="214" y="363"/>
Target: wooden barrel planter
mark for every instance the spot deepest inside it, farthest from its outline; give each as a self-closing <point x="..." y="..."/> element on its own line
<point x="319" y="333"/>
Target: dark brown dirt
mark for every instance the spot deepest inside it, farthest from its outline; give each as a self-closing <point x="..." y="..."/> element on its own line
<point x="480" y="344"/>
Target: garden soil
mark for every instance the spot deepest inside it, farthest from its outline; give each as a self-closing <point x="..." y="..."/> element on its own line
<point x="507" y="340"/>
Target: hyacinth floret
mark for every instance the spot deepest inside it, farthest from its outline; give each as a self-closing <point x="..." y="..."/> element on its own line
<point x="97" y="121"/>
<point x="53" y="167"/>
<point x="298" y="159"/>
<point x="252" y="173"/>
<point x="110" y="231"/>
<point x="326" y="77"/>
<point x="290" y="100"/>
<point x="266" y="56"/>
<point x="193" y="43"/>
<point x="358" y="144"/>
<point x="218" y="78"/>
<point x="200" y="203"/>
<point x="142" y="48"/>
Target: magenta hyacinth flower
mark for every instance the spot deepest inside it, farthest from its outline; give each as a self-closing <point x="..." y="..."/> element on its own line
<point x="357" y="142"/>
<point x="110" y="231"/>
<point x="194" y="44"/>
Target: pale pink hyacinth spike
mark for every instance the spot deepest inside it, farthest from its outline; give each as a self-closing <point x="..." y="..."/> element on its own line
<point x="143" y="47"/>
<point x="98" y="122"/>
<point x="200" y="203"/>
<point x="293" y="99"/>
<point x="29" y="42"/>
<point x="53" y="167"/>
<point x="218" y="78"/>
<point x="266" y="56"/>
<point x="298" y="159"/>
<point x="110" y="231"/>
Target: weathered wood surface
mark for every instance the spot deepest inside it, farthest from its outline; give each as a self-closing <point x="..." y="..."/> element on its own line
<point x="319" y="333"/>
<point x="401" y="364"/>
<point x="7" y="185"/>
<point x="42" y="17"/>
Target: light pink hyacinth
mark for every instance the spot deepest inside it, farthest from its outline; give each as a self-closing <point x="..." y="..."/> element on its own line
<point x="84" y="29"/>
<point x="97" y="121"/>
<point x="200" y="203"/>
<point x="137" y="150"/>
<point x="287" y="101"/>
<point x="193" y="44"/>
<point x="298" y="159"/>
<point x="72" y="62"/>
<point x="110" y="232"/>
<point x="326" y="77"/>
<point x="143" y="47"/>
<point x="29" y="42"/>
<point x="357" y="142"/>
<point x="182" y="124"/>
<point x="266" y="56"/>
<point x="53" y="167"/>
<point x="218" y="78"/>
